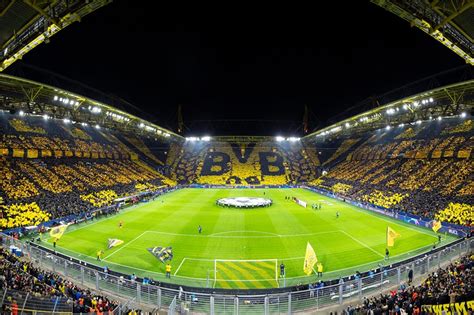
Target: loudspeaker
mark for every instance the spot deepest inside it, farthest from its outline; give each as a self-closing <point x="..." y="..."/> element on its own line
<point x="13" y="111"/>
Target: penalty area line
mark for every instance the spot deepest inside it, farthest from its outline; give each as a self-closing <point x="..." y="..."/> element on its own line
<point x="125" y="245"/>
<point x="362" y="243"/>
<point x="182" y="261"/>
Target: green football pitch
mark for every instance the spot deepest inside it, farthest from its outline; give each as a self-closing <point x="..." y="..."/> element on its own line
<point x="243" y="248"/>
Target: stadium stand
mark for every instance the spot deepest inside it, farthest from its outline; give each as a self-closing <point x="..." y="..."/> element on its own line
<point x="50" y="169"/>
<point x="424" y="169"/>
<point x="265" y="162"/>
<point x="453" y="284"/>
<point x="22" y="275"/>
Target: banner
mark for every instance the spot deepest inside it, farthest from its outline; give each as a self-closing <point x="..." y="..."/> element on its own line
<point x="46" y="153"/>
<point x="58" y="231"/>
<point x="18" y="153"/>
<point x="450" y="308"/>
<point x="300" y="202"/>
<point x="436" y="226"/>
<point x="310" y="259"/>
<point x="32" y="153"/>
<point x="162" y="253"/>
<point x="391" y="236"/>
<point x="114" y="242"/>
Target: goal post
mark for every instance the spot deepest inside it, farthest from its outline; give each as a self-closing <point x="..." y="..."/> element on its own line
<point x="246" y="270"/>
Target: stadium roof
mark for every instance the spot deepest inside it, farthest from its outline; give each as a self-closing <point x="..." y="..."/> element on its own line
<point x="33" y="98"/>
<point x="446" y="101"/>
<point x="24" y="24"/>
<point x="449" y="22"/>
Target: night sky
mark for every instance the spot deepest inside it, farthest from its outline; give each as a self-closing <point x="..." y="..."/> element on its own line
<point x="234" y="64"/>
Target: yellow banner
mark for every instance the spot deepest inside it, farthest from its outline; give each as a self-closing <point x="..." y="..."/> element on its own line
<point x="310" y="259"/>
<point x="391" y="236"/>
<point x="46" y="153"/>
<point x="58" y="231"/>
<point x="448" y="153"/>
<point x="450" y="308"/>
<point x="436" y="226"/>
<point x="18" y="153"/>
<point x="464" y="153"/>
<point x="436" y="154"/>
<point x="32" y="153"/>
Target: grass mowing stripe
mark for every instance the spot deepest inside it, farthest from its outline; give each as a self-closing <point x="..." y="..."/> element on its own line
<point x="278" y="232"/>
<point x="243" y="272"/>
<point x="231" y="276"/>
<point x="262" y="272"/>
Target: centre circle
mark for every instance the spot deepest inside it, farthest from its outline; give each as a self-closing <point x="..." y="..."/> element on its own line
<point x="244" y="202"/>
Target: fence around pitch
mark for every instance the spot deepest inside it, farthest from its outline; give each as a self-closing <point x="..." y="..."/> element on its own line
<point x="27" y="303"/>
<point x="221" y="303"/>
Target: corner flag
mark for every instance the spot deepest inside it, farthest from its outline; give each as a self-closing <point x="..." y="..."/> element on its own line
<point x="391" y="236"/>
<point x="436" y="226"/>
<point x="58" y="231"/>
<point x="309" y="260"/>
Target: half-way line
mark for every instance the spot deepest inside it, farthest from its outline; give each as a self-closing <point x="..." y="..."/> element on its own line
<point x="362" y="243"/>
<point x="243" y="231"/>
<point x="252" y="236"/>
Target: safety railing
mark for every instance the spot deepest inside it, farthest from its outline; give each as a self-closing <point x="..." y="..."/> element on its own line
<point x="291" y="301"/>
<point x="28" y="303"/>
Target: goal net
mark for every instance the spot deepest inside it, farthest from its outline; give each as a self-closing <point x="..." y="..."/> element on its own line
<point x="245" y="273"/>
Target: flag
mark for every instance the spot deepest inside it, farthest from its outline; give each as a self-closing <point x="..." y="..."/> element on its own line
<point x="114" y="242"/>
<point x="309" y="259"/>
<point x="436" y="226"/>
<point x="162" y="253"/>
<point x="58" y="231"/>
<point x="391" y="236"/>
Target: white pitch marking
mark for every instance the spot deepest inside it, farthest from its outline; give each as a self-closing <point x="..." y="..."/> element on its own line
<point x="362" y="243"/>
<point x="122" y="247"/>
<point x="182" y="261"/>
<point x="243" y="231"/>
<point x="230" y="236"/>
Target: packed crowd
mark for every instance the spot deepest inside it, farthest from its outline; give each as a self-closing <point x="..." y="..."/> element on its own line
<point x="100" y="198"/>
<point x="22" y="214"/>
<point x="383" y="199"/>
<point x="423" y="170"/>
<point x="22" y="275"/>
<point x="447" y="285"/>
<point x="459" y="213"/>
<point x="421" y="187"/>
<point x="256" y="163"/>
<point x="61" y="187"/>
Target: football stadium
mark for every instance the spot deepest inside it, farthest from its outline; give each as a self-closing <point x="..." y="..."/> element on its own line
<point x="105" y="210"/>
